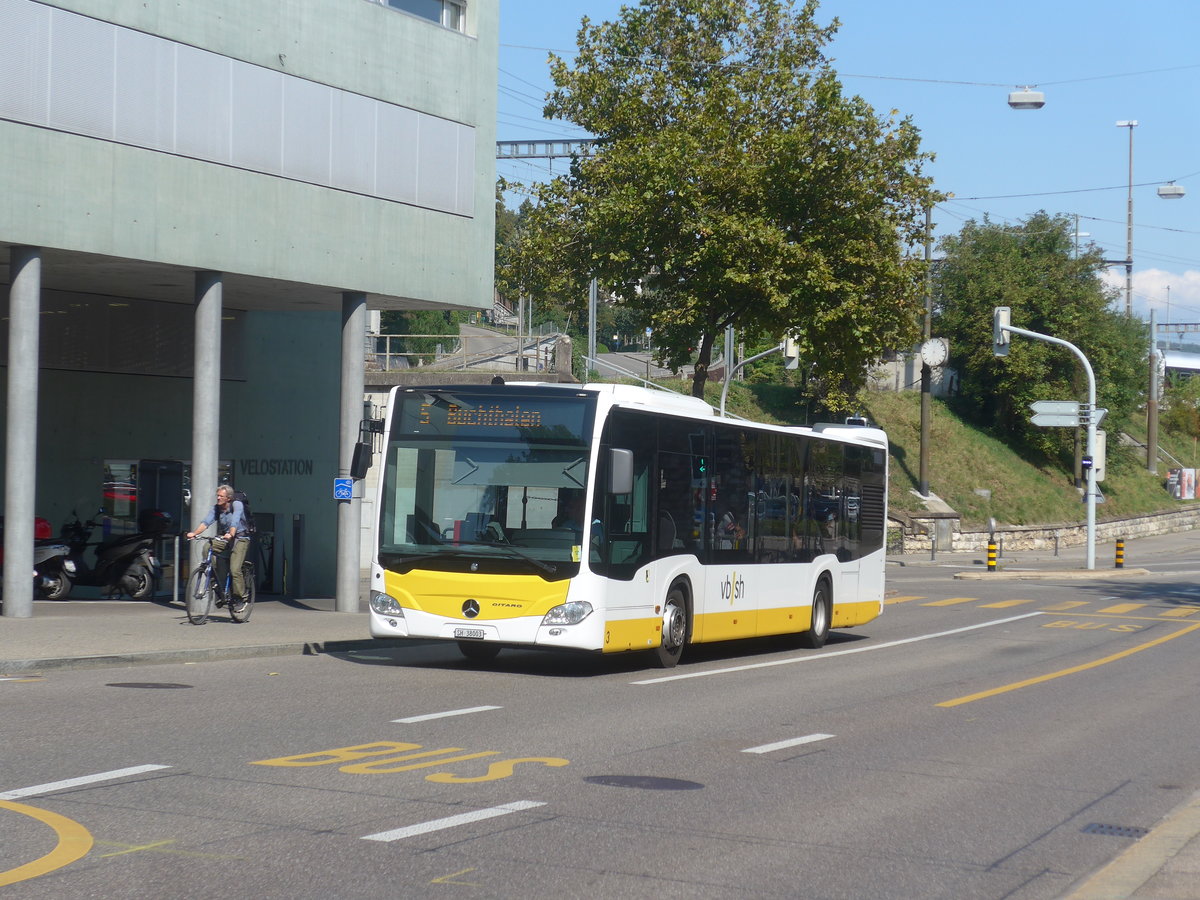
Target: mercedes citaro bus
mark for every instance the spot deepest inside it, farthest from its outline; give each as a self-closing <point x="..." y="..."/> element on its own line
<point x="613" y="518"/>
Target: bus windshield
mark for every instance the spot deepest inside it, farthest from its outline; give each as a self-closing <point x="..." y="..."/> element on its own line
<point x="486" y="481"/>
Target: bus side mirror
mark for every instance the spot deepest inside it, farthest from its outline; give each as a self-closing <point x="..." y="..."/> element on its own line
<point x="620" y="471"/>
<point x="361" y="461"/>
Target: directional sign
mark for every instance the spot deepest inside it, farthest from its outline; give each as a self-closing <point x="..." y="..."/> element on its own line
<point x="1056" y="407"/>
<point x="1055" y="420"/>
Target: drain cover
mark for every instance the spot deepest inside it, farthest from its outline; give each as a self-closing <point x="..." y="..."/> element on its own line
<point x="644" y="782"/>
<point x="1116" y="830"/>
<point x="160" y="685"/>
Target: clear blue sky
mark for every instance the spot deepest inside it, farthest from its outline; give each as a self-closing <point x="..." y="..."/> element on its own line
<point x="950" y="64"/>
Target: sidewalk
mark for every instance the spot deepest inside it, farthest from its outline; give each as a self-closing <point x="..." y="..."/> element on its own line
<point x="94" y="633"/>
<point x="85" y="633"/>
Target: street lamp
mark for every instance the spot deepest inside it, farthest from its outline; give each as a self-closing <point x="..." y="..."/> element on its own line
<point x="1026" y="98"/>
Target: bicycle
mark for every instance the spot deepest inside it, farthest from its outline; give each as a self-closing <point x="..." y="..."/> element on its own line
<point x="203" y="589"/>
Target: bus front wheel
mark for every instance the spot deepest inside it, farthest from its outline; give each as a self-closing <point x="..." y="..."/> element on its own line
<point x="674" y="629"/>
<point x="822" y="617"/>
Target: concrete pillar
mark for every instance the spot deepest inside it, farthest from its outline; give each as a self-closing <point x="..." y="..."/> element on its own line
<point x="206" y="398"/>
<point x="349" y="521"/>
<point x="20" y="460"/>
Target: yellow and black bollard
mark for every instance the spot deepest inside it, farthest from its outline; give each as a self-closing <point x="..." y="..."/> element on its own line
<point x="991" y="556"/>
<point x="1120" y="553"/>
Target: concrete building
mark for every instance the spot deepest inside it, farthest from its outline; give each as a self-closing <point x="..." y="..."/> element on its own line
<point x="200" y="203"/>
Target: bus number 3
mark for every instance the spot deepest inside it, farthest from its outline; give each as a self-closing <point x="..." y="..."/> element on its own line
<point x="380" y="758"/>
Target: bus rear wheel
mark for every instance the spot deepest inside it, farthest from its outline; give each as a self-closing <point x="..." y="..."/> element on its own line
<point x="674" y="629"/>
<point x="822" y="618"/>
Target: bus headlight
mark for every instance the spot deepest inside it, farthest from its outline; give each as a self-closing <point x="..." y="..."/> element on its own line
<point x="385" y="604"/>
<point x="568" y="613"/>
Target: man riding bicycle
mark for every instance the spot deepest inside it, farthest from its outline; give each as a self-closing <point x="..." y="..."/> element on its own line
<point x="231" y="527"/>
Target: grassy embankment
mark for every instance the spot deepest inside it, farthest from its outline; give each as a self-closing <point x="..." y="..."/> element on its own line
<point x="977" y="475"/>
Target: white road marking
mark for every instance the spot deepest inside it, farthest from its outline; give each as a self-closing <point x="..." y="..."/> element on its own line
<point x="792" y="742"/>
<point x="444" y="715"/>
<point x="75" y="782"/>
<point x="453" y="821"/>
<point x="866" y="649"/>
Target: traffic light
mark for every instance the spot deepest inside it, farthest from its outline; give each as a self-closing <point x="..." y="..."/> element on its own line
<point x="1001" y="319"/>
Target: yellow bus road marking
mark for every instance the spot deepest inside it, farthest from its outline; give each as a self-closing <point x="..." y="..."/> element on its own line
<point x="952" y="601"/>
<point x="398" y="834"/>
<point x="442" y="715"/>
<point x="1041" y="679"/>
<point x="1065" y="605"/>
<point x="821" y="656"/>
<point x="791" y="742"/>
<point x="135" y="849"/>
<point x="52" y="786"/>
<point x="1005" y="604"/>
<point x="1120" y="608"/>
<point x="1180" y="613"/>
<point x="449" y="879"/>
<point x="890" y="600"/>
<point x="157" y="847"/>
<point x="74" y="843"/>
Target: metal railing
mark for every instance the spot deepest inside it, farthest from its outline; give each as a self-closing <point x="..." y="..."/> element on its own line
<point x="492" y="351"/>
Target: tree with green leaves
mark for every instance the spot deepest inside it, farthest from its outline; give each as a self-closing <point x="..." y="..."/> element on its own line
<point x="733" y="182"/>
<point x="1180" y="408"/>
<point x="1031" y="267"/>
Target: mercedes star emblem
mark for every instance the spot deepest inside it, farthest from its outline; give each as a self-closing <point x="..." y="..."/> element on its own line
<point x="470" y="609"/>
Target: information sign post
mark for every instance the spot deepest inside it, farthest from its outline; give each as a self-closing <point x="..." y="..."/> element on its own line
<point x="1001" y="330"/>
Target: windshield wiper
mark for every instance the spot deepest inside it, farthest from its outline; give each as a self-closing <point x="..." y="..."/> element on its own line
<point x="509" y="548"/>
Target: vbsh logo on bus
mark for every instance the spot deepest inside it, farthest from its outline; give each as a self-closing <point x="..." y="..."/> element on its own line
<point x="733" y="588"/>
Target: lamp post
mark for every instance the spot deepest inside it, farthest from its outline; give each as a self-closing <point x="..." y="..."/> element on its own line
<point x="1130" y="124"/>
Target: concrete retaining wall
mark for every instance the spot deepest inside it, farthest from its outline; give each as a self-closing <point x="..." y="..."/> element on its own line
<point x="1046" y="537"/>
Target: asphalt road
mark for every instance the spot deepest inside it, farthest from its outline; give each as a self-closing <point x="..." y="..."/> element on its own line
<point x="979" y="740"/>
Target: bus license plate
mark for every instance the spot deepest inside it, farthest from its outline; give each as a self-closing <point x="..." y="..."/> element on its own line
<point x="476" y="634"/>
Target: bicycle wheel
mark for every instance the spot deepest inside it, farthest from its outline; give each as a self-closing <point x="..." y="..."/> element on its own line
<point x="240" y="612"/>
<point x="199" y="595"/>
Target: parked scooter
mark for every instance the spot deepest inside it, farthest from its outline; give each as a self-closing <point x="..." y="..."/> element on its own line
<point x="49" y="554"/>
<point x="124" y="564"/>
<point x="50" y="561"/>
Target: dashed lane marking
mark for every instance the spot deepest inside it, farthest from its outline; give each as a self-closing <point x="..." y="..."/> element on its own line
<point x="1005" y="604"/>
<point x="478" y="815"/>
<point x="52" y="786"/>
<point x="1181" y="613"/>
<point x="1121" y="609"/>
<point x="1065" y="605"/>
<point x="890" y="600"/>
<point x="791" y="742"/>
<point x="443" y="715"/>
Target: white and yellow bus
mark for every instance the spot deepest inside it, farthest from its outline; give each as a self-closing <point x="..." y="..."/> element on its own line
<point x="612" y="518"/>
